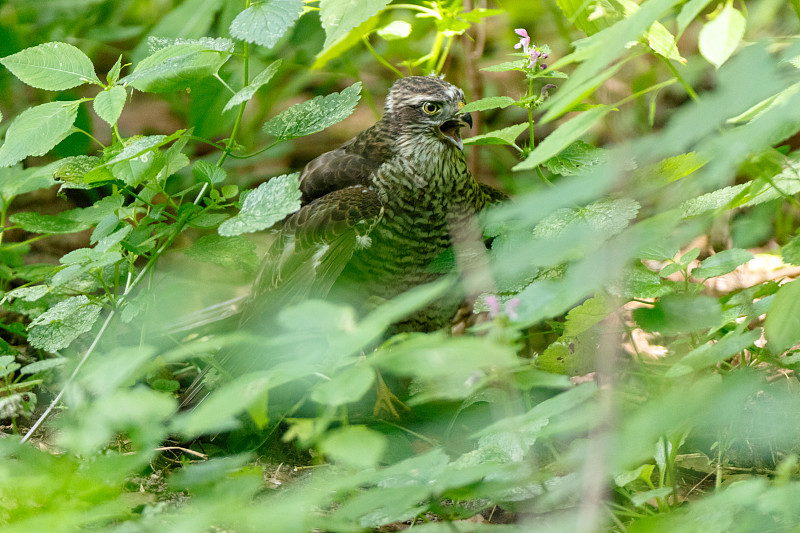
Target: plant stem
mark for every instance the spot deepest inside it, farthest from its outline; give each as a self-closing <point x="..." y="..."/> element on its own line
<point x="379" y="57"/>
<point x="685" y="84"/>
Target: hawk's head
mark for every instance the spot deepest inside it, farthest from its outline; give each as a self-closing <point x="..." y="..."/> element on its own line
<point x="428" y="105"/>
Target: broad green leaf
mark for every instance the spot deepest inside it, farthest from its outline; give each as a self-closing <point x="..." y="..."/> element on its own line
<point x="246" y="93"/>
<point x="16" y="180"/>
<point x="507" y="66"/>
<point x="606" y="216"/>
<point x="228" y="252"/>
<point x="56" y="328"/>
<point x="491" y="102"/>
<point x="790" y="252"/>
<point x="29" y="294"/>
<point x="341" y="46"/>
<point x="265" y="206"/>
<point x="314" y="115"/>
<point x="205" y="171"/>
<point x="355" y="446"/>
<point x="587" y="314"/>
<point x="577" y="158"/>
<point x="713" y="200"/>
<point x="722" y="263"/>
<point x="707" y="355"/>
<point x="719" y="38"/>
<point x="265" y="22"/>
<point x="41" y="223"/>
<point x="37" y="130"/>
<point x="44" y="364"/>
<point x="191" y="19"/>
<point x="339" y="17"/>
<point x="73" y="169"/>
<point x="108" y="104"/>
<point x="562" y="137"/>
<point x="347" y="386"/>
<point x="52" y="66"/>
<point x="177" y="65"/>
<point x="782" y="326"/>
<point x="504" y="136"/>
<point x="395" y="30"/>
<point x="680" y="313"/>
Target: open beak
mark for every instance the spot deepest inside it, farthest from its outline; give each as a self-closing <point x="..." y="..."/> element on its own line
<point x="452" y="129"/>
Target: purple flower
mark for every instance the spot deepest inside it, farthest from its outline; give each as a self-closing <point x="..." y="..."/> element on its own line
<point x="494" y="305"/>
<point x="511" y="308"/>
<point x="524" y="41"/>
<point x="543" y="66"/>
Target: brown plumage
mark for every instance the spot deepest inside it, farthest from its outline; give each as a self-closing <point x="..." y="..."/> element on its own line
<point x="378" y="210"/>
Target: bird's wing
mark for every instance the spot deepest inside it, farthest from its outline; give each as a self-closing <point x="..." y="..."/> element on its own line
<point x="335" y="170"/>
<point x="492" y="195"/>
<point x="311" y="249"/>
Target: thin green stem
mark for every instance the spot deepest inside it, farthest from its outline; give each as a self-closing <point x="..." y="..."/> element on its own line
<point x="685" y="84"/>
<point x="435" y="49"/>
<point x="431" y="12"/>
<point x="216" y="75"/>
<point x="89" y="135"/>
<point x="634" y="96"/>
<point x="379" y="57"/>
<point x="444" y="54"/>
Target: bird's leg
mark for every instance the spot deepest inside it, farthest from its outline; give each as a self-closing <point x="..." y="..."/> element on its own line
<point x="386" y="400"/>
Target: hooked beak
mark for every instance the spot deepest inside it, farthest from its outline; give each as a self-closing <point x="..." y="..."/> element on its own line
<point x="451" y="129"/>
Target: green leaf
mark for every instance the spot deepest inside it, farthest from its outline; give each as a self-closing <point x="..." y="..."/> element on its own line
<point x="355" y="446"/>
<point x="782" y="326"/>
<point x="719" y="38"/>
<point x="265" y="22"/>
<point x="339" y="17"/>
<point x="57" y="327"/>
<point x="713" y="200"/>
<point x="790" y="252"/>
<point x="576" y="159"/>
<point x="246" y="93"/>
<point x="395" y="30"/>
<point x="28" y="294"/>
<point x="587" y="314"/>
<point x="680" y="313"/>
<point x="606" y="216"/>
<point x="707" y="355"/>
<point x="507" y="66"/>
<point x="40" y="223"/>
<point x="562" y="137"/>
<point x="341" y="46"/>
<point x="175" y="66"/>
<point x="37" y="130"/>
<point x="347" y="386"/>
<point x="722" y="263"/>
<point x="108" y="104"/>
<point x="504" y="136"/>
<point x="52" y="66"/>
<point x="16" y="180"/>
<point x="314" y="115"/>
<point x="205" y="171"/>
<point x="491" y="102"/>
<point x="265" y="206"/>
<point x="43" y="365"/>
<point x="228" y="252"/>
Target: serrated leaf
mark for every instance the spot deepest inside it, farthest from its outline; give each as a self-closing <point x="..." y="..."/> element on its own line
<point x="205" y="171"/>
<point x="347" y="386"/>
<point x="74" y="168"/>
<point x="246" y="93"/>
<point x="16" y="180"/>
<point x="339" y="17"/>
<point x="341" y="46"/>
<point x="355" y="446"/>
<point x="782" y="326"/>
<point x="518" y="64"/>
<point x="108" y="104"/>
<point x="395" y="30"/>
<point x="41" y="223"/>
<point x="314" y="115"/>
<point x="713" y="200"/>
<point x="44" y="364"/>
<point x="722" y="263"/>
<point x="504" y="136"/>
<point x="562" y="137"/>
<point x="56" y="328"/>
<point x="265" y="206"/>
<point x="491" y="102"/>
<point x="265" y="22"/>
<point x="176" y="66"/>
<point x="719" y="38"/>
<point x="606" y="216"/>
<point x="52" y="66"/>
<point x="37" y="130"/>
<point x="576" y="159"/>
<point x="586" y="315"/>
<point x="228" y="252"/>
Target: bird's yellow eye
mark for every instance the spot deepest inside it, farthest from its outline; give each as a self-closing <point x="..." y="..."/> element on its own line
<point x="431" y="108"/>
